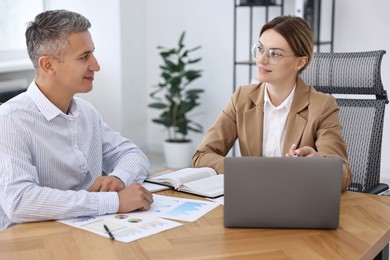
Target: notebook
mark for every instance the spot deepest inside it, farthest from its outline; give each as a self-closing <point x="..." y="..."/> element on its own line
<point x="282" y="192"/>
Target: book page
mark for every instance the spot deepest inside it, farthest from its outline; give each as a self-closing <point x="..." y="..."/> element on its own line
<point x="182" y="176"/>
<point x="154" y="187"/>
<point x="208" y="187"/>
<point x="160" y="172"/>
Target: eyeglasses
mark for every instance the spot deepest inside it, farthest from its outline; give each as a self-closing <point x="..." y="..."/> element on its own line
<point x="274" y="56"/>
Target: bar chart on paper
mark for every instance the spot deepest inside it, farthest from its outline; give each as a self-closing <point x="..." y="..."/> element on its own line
<point x="135" y="225"/>
<point x="123" y="227"/>
<point x="185" y="210"/>
<point x="181" y="209"/>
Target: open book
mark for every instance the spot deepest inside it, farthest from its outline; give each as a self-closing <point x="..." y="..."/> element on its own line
<point x="199" y="181"/>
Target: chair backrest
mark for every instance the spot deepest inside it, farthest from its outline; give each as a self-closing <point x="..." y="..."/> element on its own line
<point x="8" y="94"/>
<point x="355" y="75"/>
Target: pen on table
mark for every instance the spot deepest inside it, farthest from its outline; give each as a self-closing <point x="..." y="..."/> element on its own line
<point x="109" y="232"/>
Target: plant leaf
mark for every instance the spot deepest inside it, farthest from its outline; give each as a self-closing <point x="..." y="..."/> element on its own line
<point x="158" y="105"/>
<point x="171" y="95"/>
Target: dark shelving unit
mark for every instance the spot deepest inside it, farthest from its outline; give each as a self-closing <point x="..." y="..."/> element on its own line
<point x="313" y="15"/>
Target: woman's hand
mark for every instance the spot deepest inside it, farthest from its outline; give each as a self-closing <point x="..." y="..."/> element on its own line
<point x="305" y="151"/>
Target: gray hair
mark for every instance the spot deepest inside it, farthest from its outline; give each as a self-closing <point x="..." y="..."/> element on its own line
<point x="47" y="34"/>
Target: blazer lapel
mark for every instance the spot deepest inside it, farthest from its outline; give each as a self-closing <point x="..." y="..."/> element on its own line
<point x="253" y="123"/>
<point x="295" y="122"/>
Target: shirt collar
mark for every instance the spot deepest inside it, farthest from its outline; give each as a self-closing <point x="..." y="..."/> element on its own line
<point x="47" y="108"/>
<point x="286" y="103"/>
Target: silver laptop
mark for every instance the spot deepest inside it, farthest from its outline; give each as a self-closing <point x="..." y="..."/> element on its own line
<point x="282" y="192"/>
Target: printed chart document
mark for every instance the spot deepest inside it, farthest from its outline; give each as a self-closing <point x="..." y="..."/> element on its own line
<point x="138" y="224"/>
<point x="199" y="181"/>
<point x="178" y="208"/>
<point x="124" y="227"/>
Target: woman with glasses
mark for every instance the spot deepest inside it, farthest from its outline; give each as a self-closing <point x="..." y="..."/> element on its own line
<point x="281" y="115"/>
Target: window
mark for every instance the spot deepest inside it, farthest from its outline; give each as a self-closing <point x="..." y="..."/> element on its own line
<point x="14" y="16"/>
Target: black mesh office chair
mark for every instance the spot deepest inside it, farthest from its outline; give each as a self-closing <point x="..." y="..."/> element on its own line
<point x="6" y="95"/>
<point x="354" y="75"/>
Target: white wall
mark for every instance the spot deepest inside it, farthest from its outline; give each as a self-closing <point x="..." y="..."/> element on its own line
<point x="105" y="30"/>
<point x="207" y="23"/>
<point x="134" y="72"/>
<point x="126" y="33"/>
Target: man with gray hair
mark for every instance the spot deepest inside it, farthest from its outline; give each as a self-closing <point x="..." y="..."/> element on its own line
<point x="54" y="146"/>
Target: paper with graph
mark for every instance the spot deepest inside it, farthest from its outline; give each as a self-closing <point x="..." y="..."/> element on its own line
<point x="135" y="225"/>
<point x="123" y="227"/>
<point x="177" y="208"/>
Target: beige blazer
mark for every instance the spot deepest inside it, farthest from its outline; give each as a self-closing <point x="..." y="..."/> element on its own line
<point x="313" y="121"/>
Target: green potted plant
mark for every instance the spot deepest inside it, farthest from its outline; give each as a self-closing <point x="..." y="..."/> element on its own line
<point x="175" y="100"/>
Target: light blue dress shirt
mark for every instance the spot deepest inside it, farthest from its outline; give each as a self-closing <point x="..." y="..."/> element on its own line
<point x="49" y="159"/>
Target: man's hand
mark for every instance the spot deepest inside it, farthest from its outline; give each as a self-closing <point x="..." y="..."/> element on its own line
<point x="134" y="197"/>
<point x="107" y="183"/>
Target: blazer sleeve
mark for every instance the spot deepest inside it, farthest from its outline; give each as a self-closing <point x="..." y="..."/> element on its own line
<point x="219" y="139"/>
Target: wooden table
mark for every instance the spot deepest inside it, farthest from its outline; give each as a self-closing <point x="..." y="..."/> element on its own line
<point x="364" y="231"/>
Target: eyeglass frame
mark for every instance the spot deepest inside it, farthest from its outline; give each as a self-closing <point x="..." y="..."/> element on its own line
<point x="255" y="50"/>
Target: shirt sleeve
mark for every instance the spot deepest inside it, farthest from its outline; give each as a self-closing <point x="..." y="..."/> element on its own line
<point x="23" y="198"/>
<point x="122" y="158"/>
